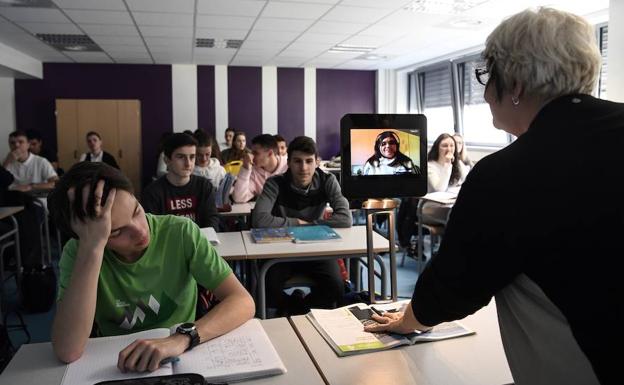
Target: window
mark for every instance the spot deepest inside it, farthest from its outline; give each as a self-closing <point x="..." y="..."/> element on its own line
<point x="437" y="105"/>
<point x="603" y="40"/>
<point x="477" y="118"/>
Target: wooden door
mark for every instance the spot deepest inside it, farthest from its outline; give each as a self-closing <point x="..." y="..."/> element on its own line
<point x="118" y="122"/>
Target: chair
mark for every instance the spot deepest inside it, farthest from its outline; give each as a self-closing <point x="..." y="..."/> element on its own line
<point x="233" y="167"/>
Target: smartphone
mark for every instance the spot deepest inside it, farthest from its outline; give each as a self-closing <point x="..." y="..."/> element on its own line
<point x="173" y="379"/>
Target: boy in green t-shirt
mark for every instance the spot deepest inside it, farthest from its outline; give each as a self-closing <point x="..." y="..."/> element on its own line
<point x="126" y="271"/>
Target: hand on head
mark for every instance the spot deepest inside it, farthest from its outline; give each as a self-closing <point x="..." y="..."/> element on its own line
<point x="93" y="229"/>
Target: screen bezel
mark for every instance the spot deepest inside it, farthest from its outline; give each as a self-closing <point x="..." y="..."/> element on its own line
<point x="382" y="186"/>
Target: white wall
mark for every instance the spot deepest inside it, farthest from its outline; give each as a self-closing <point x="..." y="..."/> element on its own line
<point x="184" y="96"/>
<point x="269" y="100"/>
<point x="7" y="113"/>
<point x="615" y="60"/>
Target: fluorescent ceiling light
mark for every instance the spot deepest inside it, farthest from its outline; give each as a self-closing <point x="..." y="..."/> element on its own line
<point x="347" y="48"/>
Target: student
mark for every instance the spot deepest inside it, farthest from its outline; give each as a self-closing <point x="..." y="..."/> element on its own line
<point x="206" y="166"/>
<point x="517" y="232"/>
<point x="228" y="137"/>
<point x="36" y="147"/>
<point x="96" y="153"/>
<point x="161" y="166"/>
<point x="125" y="271"/>
<point x="282" y="146"/>
<point x="445" y="172"/>
<point x="29" y="170"/>
<point x="179" y="192"/>
<point x="238" y="149"/>
<point x="300" y="197"/>
<point x="388" y="158"/>
<point x="462" y="151"/>
<point x="262" y="163"/>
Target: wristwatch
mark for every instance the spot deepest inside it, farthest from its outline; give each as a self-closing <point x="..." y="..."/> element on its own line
<point x="189" y="329"/>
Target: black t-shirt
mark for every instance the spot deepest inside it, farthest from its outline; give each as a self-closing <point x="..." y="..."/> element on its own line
<point x="195" y="200"/>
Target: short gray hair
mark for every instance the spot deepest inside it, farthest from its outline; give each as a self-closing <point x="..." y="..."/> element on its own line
<point x="548" y="52"/>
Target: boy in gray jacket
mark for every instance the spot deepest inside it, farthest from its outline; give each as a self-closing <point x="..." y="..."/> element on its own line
<point x="300" y="197"/>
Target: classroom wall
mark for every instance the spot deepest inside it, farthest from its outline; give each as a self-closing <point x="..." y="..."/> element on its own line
<point x="7" y="113"/>
<point x="296" y="101"/>
<point x="151" y="84"/>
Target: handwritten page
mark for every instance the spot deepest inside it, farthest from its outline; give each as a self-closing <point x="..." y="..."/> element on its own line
<point x="99" y="360"/>
<point x="245" y="352"/>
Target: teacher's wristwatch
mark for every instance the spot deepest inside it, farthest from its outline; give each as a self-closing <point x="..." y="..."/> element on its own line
<point x="189" y="329"/>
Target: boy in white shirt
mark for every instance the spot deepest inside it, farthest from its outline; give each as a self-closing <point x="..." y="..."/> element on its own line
<point x="29" y="170"/>
<point x="206" y="166"/>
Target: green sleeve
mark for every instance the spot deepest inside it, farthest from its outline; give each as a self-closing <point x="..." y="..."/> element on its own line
<point x="66" y="266"/>
<point x="206" y="266"/>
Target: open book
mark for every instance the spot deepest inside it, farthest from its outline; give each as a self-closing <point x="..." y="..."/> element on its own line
<point x="343" y="329"/>
<point x="245" y="352"/>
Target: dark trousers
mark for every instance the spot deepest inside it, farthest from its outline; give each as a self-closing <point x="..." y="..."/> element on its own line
<point x="327" y="289"/>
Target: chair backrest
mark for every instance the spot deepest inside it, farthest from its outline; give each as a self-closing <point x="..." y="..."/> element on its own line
<point x="233" y="167"/>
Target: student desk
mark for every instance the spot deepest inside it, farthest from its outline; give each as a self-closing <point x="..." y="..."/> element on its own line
<point x="36" y="363"/>
<point x="352" y="244"/>
<point x="470" y="360"/>
<point x="231" y="247"/>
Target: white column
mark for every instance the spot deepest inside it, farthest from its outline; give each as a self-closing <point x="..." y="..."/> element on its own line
<point x="184" y="96"/>
<point x="7" y="113"/>
<point x="309" y="102"/>
<point x="386" y="91"/>
<point x="615" y="59"/>
<point x="269" y="100"/>
<point x="401" y="91"/>
<point x="221" y="101"/>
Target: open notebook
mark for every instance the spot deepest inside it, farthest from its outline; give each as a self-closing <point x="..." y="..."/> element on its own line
<point x="245" y="352"/>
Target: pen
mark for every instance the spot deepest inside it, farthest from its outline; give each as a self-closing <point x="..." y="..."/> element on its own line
<point x="379" y="313"/>
<point x="169" y="360"/>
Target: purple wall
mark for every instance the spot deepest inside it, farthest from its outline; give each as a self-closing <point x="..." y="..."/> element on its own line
<point x="151" y="84"/>
<point x="290" y="103"/>
<point x="245" y="100"/>
<point x="340" y="92"/>
<point x="206" y="100"/>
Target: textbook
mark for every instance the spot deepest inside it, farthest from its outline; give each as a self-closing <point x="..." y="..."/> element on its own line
<point x="314" y="233"/>
<point x="211" y="235"/>
<point x="271" y="235"/>
<point x="243" y="353"/>
<point x="343" y="329"/>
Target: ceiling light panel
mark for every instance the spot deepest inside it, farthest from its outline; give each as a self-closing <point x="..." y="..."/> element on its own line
<point x="179" y="6"/>
<point x="230" y="22"/>
<point x="69" y="42"/>
<point x="33" y="15"/>
<point x="301" y="10"/>
<point x="99" y="17"/>
<point x="104" y="5"/>
<point x="163" y="19"/>
<point x="230" y="7"/>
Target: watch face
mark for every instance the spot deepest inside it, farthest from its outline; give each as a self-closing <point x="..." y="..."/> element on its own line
<point x="187" y="326"/>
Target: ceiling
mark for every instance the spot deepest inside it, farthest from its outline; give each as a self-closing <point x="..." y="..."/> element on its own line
<point x="284" y="33"/>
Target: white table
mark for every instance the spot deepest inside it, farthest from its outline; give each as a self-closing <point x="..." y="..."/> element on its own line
<point x="231" y="247"/>
<point x="36" y="363"/>
<point x="239" y="210"/>
<point x="352" y="244"/>
<point x="478" y="359"/>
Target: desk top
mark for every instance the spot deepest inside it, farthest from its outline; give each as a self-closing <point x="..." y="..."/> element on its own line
<point x="353" y="242"/>
<point x="476" y="359"/>
<point x="239" y="209"/>
<point x="36" y="363"/>
<point x="7" y="211"/>
<point x="231" y="247"/>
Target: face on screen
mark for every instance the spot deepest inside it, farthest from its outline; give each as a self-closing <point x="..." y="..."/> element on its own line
<point x="384" y="151"/>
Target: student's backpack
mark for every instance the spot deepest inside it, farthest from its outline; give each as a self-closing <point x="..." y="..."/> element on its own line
<point x="38" y="288"/>
<point x="222" y="196"/>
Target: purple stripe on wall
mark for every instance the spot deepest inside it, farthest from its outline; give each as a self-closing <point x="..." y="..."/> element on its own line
<point x="245" y="100"/>
<point x="340" y="92"/>
<point x="290" y="102"/>
<point x="206" y="99"/>
<point x="151" y="84"/>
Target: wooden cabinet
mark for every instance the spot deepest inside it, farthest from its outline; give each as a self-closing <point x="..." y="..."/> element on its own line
<point x="117" y="121"/>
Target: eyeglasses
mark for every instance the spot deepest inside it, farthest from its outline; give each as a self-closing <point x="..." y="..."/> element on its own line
<point x="483" y="75"/>
<point x="389" y="143"/>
